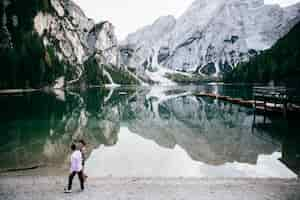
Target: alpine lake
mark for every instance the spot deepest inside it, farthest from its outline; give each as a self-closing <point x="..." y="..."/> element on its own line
<point x="147" y="132"/>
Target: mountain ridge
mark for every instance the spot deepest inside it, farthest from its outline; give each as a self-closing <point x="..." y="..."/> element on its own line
<point x="210" y="38"/>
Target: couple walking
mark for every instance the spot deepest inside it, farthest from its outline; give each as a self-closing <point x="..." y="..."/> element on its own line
<point x="77" y="165"/>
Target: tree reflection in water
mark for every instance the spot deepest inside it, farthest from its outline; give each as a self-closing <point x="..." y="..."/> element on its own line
<point x="38" y="128"/>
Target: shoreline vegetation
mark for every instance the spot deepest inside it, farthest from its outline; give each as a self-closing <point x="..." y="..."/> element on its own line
<point x="26" y="61"/>
<point x="279" y="64"/>
<point x="192" y="79"/>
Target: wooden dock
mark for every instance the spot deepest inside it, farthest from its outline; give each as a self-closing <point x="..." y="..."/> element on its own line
<point x="266" y="100"/>
<point x="276" y="99"/>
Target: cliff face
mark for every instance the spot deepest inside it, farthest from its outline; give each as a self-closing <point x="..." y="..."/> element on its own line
<point x="66" y="41"/>
<point x="211" y="37"/>
<point x="77" y="36"/>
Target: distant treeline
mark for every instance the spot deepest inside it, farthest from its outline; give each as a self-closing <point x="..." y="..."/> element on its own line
<point x="280" y="64"/>
<point x="28" y="63"/>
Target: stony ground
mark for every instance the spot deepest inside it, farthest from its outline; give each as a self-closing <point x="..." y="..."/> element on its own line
<point x="44" y="188"/>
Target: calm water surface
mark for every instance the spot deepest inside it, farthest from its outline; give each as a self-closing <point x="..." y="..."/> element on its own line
<point x="147" y="132"/>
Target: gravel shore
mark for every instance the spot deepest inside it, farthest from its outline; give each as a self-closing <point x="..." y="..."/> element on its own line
<point x="51" y="187"/>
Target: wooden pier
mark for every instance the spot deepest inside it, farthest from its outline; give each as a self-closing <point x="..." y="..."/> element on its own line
<point x="267" y="100"/>
<point x="276" y="99"/>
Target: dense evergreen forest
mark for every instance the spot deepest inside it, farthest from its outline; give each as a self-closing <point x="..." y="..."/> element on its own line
<point x="280" y="64"/>
<point x="27" y="63"/>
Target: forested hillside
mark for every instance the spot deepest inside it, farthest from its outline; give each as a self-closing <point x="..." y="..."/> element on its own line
<point x="25" y="61"/>
<point x="280" y="64"/>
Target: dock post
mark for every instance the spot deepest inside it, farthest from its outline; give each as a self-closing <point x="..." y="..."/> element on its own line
<point x="285" y="109"/>
<point x="265" y="110"/>
<point x="254" y="111"/>
<point x="275" y="102"/>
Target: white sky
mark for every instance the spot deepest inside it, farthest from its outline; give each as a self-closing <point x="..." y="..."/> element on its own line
<point x="129" y="15"/>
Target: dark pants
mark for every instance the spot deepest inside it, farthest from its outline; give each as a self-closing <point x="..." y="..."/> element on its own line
<point x="81" y="179"/>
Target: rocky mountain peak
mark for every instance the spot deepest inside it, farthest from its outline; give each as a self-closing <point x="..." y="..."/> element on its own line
<point x="211" y="37"/>
<point x="77" y="37"/>
<point x="103" y="41"/>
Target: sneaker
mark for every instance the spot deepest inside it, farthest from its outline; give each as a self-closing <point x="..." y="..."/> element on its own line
<point x="67" y="191"/>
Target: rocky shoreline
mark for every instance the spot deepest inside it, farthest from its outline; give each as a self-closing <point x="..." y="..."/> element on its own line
<point x="51" y="187"/>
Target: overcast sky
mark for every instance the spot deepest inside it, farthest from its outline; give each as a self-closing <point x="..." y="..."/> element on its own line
<point x="129" y="15"/>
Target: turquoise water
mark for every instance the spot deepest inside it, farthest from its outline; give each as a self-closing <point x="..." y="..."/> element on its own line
<point x="147" y="132"/>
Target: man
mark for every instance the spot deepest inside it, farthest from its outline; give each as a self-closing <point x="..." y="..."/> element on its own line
<point x="76" y="168"/>
<point x="82" y="147"/>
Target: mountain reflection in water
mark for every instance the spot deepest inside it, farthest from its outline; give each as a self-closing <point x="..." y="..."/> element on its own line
<point x="155" y="131"/>
<point x="135" y="156"/>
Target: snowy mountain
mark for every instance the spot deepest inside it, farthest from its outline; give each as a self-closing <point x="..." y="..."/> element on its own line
<point x="210" y="38"/>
